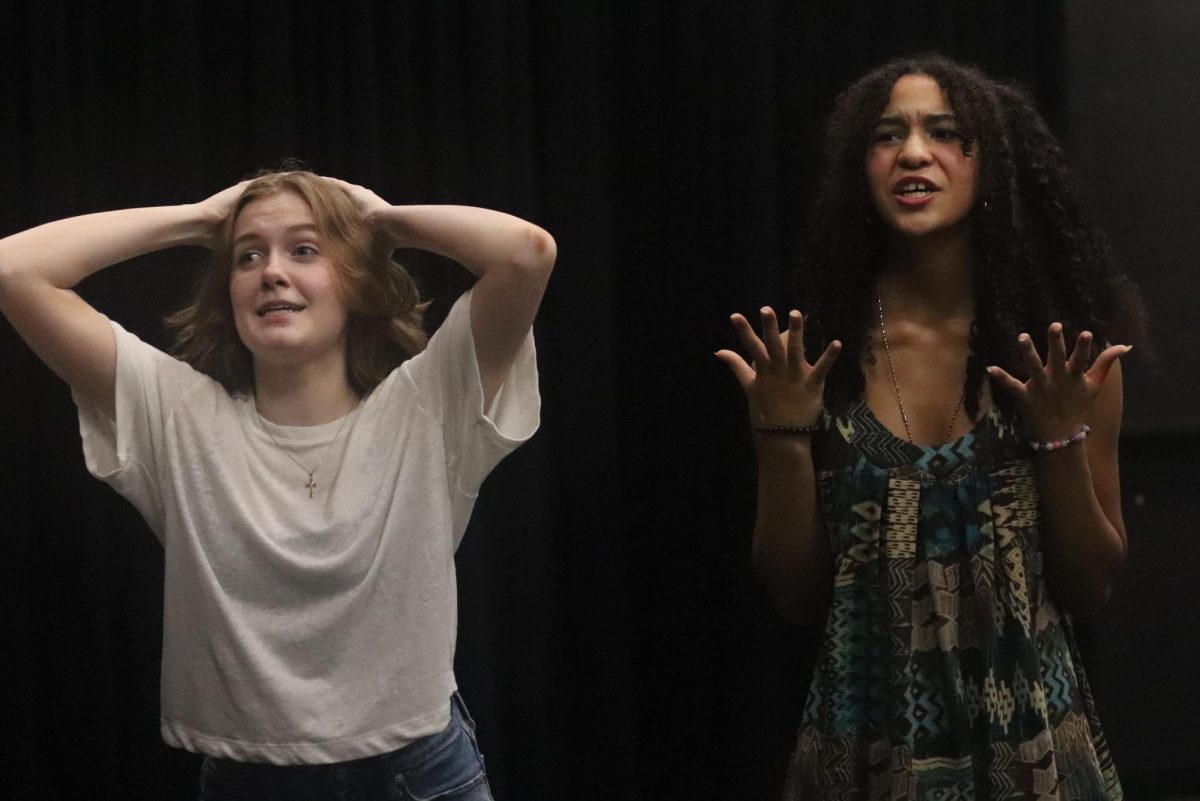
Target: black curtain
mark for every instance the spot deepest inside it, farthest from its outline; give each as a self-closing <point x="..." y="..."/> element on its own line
<point x="613" y="641"/>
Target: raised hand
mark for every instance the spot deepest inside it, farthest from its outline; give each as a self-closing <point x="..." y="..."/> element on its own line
<point x="782" y="388"/>
<point x="217" y="208"/>
<point x="364" y="199"/>
<point x="372" y="208"/>
<point x="1057" y="398"/>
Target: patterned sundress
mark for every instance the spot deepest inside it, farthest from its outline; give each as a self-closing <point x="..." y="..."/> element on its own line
<point x="946" y="671"/>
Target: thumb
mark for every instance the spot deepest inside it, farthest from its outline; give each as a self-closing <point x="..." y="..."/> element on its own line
<point x="742" y="371"/>
<point x="1002" y="377"/>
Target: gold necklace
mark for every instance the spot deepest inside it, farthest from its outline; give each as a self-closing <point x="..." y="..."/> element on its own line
<point x="896" y="384"/>
<point x="311" y="484"/>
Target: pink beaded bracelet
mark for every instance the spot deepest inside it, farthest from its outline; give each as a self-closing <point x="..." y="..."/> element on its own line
<point x="1059" y="444"/>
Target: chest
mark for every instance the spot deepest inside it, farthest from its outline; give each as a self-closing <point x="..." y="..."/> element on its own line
<point x="227" y="472"/>
<point x="915" y="381"/>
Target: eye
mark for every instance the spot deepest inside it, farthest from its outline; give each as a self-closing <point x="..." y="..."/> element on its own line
<point x="246" y="258"/>
<point x="944" y="134"/>
<point x="305" y="251"/>
<point x="886" y="136"/>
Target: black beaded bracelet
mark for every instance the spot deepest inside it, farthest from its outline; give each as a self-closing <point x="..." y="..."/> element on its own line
<point x="794" y="430"/>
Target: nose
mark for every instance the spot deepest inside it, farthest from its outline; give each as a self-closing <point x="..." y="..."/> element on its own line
<point x="273" y="274"/>
<point x="914" y="151"/>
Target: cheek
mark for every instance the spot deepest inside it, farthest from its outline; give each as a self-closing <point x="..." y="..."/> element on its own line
<point x="239" y="290"/>
<point x="323" y="284"/>
<point x="970" y="175"/>
<point x="877" y="185"/>
<point x="966" y="167"/>
<point x="878" y="170"/>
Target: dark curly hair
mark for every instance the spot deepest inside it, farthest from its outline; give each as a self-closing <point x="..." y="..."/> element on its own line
<point x="384" y="309"/>
<point x="1037" y="258"/>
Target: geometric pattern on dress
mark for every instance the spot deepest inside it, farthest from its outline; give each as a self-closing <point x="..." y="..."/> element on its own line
<point x="999" y="701"/>
<point x="945" y="671"/>
<point x="898" y="560"/>
<point x="949" y="462"/>
<point x="985" y="608"/>
<point x="902" y="779"/>
<point x="1037" y="764"/>
<point x="1002" y="771"/>
<point x="860" y="426"/>
<point x="864" y="548"/>
<point x="926" y="714"/>
<point x="878" y="775"/>
<point x="1015" y="516"/>
<point x="939" y="460"/>
<point x="939" y="622"/>
<point x="1058" y="680"/>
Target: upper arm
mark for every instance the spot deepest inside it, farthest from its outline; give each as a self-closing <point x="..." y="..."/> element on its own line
<point x="504" y="304"/>
<point x="72" y="338"/>
<point x="1105" y="424"/>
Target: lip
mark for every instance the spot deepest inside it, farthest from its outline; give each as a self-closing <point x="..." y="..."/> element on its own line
<point x="292" y="307"/>
<point x="914" y="201"/>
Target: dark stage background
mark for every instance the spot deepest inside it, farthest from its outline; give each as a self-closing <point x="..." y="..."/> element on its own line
<point x="613" y="642"/>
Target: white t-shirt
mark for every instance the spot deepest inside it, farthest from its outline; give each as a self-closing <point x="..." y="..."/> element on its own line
<point x="302" y="630"/>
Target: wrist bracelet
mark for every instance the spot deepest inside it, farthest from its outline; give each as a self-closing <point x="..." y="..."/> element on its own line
<point x="1059" y="444"/>
<point x="794" y="430"/>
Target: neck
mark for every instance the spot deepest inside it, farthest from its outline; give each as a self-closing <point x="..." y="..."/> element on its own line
<point x="302" y="395"/>
<point x="930" y="277"/>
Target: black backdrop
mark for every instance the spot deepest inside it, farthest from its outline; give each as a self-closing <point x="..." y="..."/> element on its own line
<point x="613" y="642"/>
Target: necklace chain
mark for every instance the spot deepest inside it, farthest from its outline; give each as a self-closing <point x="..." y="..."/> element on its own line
<point x="311" y="484"/>
<point x="896" y="384"/>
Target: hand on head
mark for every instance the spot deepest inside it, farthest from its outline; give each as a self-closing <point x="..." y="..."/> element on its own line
<point x="364" y="199"/>
<point x="217" y="208"/>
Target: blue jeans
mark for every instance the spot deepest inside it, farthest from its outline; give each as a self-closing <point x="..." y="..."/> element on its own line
<point x="446" y="766"/>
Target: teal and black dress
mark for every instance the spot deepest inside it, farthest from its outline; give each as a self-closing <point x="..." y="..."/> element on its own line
<point x="946" y="672"/>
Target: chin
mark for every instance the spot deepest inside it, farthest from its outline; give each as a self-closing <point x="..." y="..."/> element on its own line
<point x="927" y="229"/>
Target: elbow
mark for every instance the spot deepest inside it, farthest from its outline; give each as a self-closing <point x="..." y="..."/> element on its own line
<point x="8" y="273"/>
<point x="1088" y="604"/>
<point x="536" y="252"/>
<point x="1086" y="597"/>
<point x="1081" y="581"/>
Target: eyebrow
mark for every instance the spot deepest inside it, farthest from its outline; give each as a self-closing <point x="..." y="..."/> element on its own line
<point x="929" y="119"/>
<point x="291" y="229"/>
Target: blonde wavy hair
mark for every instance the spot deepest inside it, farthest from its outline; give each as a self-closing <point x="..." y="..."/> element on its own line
<point x="384" y="311"/>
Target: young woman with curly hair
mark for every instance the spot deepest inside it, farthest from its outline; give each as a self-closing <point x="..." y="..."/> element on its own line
<point x="309" y="464"/>
<point x="939" y="487"/>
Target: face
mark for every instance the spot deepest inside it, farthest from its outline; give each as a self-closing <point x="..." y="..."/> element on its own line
<point x="920" y="180"/>
<point x="281" y="284"/>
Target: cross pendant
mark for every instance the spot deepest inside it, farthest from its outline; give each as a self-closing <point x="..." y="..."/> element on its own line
<point x="312" y="484"/>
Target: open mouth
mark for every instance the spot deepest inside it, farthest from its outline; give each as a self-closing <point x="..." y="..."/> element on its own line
<point x="914" y="188"/>
<point x="277" y="308"/>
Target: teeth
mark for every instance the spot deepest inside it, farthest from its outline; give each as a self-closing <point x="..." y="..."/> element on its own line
<point x="915" y="189"/>
<point x="279" y="310"/>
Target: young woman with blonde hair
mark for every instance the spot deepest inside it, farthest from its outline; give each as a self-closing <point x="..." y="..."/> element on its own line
<point x="308" y="462"/>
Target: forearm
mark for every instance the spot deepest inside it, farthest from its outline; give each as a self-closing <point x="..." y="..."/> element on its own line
<point x="64" y="252"/>
<point x="791" y="550"/>
<point x="479" y="239"/>
<point x="1084" y="549"/>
